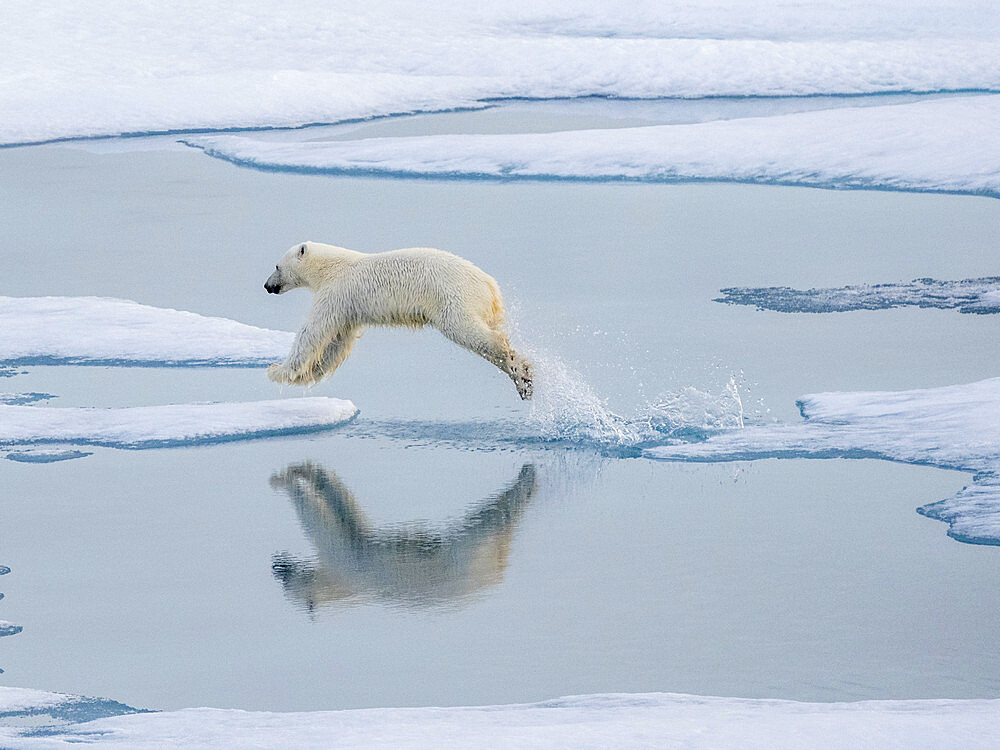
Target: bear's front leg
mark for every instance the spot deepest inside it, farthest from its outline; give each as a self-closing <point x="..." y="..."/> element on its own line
<point x="307" y="349"/>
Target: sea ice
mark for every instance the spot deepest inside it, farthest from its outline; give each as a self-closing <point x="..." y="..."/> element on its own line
<point x="588" y="721"/>
<point x="946" y="145"/>
<point x="954" y="427"/>
<point x="171" y="425"/>
<point x="114" y="67"/>
<point x="106" y="331"/>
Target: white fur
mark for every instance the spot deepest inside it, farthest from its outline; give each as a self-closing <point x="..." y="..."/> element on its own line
<point x="413" y="287"/>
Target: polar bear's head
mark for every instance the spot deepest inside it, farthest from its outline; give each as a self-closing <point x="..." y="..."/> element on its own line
<point x="292" y="270"/>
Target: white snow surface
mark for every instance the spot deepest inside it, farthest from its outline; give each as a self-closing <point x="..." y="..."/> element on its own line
<point x="172" y="424"/>
<point x="651" y="720"/>
<point x="954" y="427"/>
<point x="108" y="67"/>
<point x="100" y="330"/>
<point x="24" y="699"/>
<point x="942" y="145"/>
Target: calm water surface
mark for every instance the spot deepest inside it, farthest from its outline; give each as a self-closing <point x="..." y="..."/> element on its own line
<point x="417" y="557"/>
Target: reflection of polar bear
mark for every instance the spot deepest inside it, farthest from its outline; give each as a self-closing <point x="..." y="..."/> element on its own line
<point x="414" y="287"/>
<point x="410" y="564"/>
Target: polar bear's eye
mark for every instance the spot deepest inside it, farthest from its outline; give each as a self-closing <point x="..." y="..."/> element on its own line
<point x="302" y="251"/>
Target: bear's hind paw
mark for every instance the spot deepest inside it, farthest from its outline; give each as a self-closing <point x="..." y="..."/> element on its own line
<point x="525" y="389"/>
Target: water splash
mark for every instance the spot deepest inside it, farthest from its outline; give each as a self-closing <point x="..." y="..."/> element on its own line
<point x="566" y="408"/>
<point x="567" y="413"/>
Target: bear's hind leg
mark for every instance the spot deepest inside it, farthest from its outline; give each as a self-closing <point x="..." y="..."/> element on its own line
<point x="492" y="345"/>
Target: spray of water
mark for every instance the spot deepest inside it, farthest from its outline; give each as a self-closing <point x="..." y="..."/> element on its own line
<point x="566" y="409"/>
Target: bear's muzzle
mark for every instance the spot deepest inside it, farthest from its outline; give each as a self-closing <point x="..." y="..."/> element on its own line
<point x="273" y="283"/>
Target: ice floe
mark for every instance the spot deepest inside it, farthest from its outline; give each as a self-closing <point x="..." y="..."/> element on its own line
<point x="170" y="425"/>
<point x="954" y="427"/>
<point x="947" y="145"/>
<point x="981" y="296"/>
<point x="114" y="67"/>
<point x="107" y="331"/>
<point x="586" y="721"/>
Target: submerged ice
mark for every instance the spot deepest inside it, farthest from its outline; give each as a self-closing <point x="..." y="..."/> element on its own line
<point x="980" y="296"/>
<point x="954" y="427"/>
<point x="106" y="331"/>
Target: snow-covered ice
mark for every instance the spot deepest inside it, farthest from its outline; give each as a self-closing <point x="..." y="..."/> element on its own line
<point x="112" y="67"/>
<point x="954" y="427"/>
<point x="660" y="720"/>
<point x="171" y="425"/>
<point x="947" y="145"/>
<point x="106" y="331"/>
<point x="980" y="296"/>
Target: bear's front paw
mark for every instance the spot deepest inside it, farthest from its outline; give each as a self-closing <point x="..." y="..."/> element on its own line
<point x="278" y="373"/>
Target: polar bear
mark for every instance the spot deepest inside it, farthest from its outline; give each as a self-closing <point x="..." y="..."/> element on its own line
<point x="413" y="287"/>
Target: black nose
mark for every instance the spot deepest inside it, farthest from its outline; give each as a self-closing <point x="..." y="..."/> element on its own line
<point x="270" y="289"/>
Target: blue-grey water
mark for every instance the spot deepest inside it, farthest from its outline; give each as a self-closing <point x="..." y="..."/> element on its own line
<point x="454" y="546"/>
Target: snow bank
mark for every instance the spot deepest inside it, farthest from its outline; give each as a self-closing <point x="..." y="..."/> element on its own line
<point x="661" y="720"/>
<point x="942" y="145"/>
<point x="105" y="331"/>
<point x="172" y="425"/>
<point x="109" y="66"/>
<point x="981" y="296"/>
<point x="955" y="427"/>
